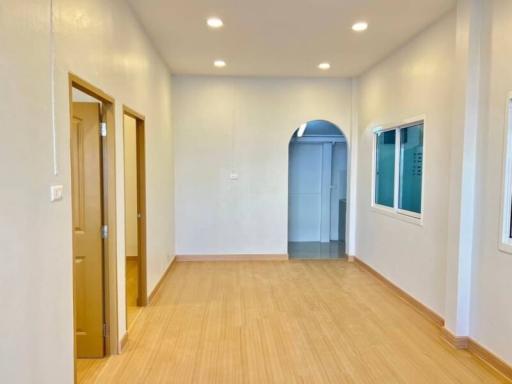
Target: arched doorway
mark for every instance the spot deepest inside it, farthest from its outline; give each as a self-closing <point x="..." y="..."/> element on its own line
<point x="317" y="191"/>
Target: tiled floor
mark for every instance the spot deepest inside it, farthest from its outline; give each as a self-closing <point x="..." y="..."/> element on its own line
<point x="316" y="250"/>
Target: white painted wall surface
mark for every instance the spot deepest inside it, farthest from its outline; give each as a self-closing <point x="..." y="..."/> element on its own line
<point x="416" y="80"/>
<point x="101" y="42"/>
<point x="242" y="125"/>
<point x="467" y="114"/>
<point x="491" y="304"/>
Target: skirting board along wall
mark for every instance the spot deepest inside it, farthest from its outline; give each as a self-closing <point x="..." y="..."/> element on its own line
<point x="249" y="257"/>
<point x="467" y="343"/>
<point x="457" y="342"/>
<point x="124" y="339"/>
<point x="158" y="285"/>
<point x="425" y="311"/>
<point x="123" y="342"/>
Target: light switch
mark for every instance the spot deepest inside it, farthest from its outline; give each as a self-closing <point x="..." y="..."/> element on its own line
<point x="56" y="192"/>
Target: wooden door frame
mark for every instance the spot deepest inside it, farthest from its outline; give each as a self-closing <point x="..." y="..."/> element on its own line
<point x="109" y="214"/>
<point x="140" y="126"/>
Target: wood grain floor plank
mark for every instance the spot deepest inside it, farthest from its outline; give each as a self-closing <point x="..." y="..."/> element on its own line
<point x="285" y="322"/>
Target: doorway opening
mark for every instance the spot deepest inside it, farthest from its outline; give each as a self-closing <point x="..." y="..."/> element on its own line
<point x="93" y="199"/>
<point x="317" y="192"/>
<point x="135" y="213"/>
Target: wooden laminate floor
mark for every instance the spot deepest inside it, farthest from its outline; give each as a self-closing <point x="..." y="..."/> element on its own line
<point x="87" y="370"/>
<point x="285" y="322"/>
<point x="132" y="290"/>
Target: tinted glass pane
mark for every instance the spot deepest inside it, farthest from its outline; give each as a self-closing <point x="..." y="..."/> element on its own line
<point x="411" y="168"/>
<point x="385" y="168"/>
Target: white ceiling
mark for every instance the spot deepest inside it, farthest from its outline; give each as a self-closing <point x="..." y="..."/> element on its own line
<point x="282" y="37"/>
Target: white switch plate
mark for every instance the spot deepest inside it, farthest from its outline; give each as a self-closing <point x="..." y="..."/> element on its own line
<point x="233" y="176"/>
<point x="56" y="192"/>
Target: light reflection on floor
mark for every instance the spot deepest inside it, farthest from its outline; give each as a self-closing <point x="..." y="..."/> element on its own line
<point x="316" y="250"/>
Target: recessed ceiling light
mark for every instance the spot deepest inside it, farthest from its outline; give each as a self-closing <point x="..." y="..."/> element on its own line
<point x="302" y="129"/>
<point x="360" y="26"/>
<point x="324" y="66"/>
<point x="214" y="22"/>
<point x="219" y="63"/>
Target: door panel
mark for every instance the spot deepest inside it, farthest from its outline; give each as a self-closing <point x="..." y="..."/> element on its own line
<point x="87" y="221"/>
<point x="305" y="189"/>
<point x="339" y="191"/>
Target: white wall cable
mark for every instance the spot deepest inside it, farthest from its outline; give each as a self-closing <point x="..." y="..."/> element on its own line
<point x="52" y="90"/>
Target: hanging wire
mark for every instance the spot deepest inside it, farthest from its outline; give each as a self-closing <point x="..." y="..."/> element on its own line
<point x="234" y="122"/>
<point x="52" y="90"/>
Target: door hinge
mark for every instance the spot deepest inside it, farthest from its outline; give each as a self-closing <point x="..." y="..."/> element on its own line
<point x="103" y="129"/>
<point x="105" y="330"/>
<point x="104" y="231"/>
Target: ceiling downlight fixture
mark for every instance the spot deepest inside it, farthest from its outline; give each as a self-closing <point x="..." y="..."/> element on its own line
<point x="360" y="26"/>
<point x="324" y="66"/>
<point x="302" y="129"/>
<point x="219" y="63"/>
<point x="214" y="22"/>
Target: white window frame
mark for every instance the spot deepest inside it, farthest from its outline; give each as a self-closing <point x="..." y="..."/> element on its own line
<point x="408" y="216"/>
<point x="505" y="241"/>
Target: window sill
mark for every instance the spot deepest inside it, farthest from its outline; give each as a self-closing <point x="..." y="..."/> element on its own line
<point x="505" y="247"/>
<point x="400" y="216"/>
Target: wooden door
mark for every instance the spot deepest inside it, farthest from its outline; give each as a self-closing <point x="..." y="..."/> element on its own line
<point x="87" y="221"/>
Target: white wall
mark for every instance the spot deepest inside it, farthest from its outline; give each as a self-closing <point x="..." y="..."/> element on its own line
<point x="101" y="42"/>
<point x="421" y="79"/>
<point x="242" y="125"/>
<point x="491" y="304"/>
<point x="416" y="80"/>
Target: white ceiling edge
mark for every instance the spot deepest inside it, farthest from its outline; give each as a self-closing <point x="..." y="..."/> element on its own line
<point x="315" y="75"/>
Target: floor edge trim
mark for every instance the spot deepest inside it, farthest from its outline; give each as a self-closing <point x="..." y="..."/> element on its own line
<point x="241" y="257"/>
<point x="489" y="358"/>
<point x="124" y="341"/>
<point x="158" y="285"/>
<point x="416" y="304"/>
